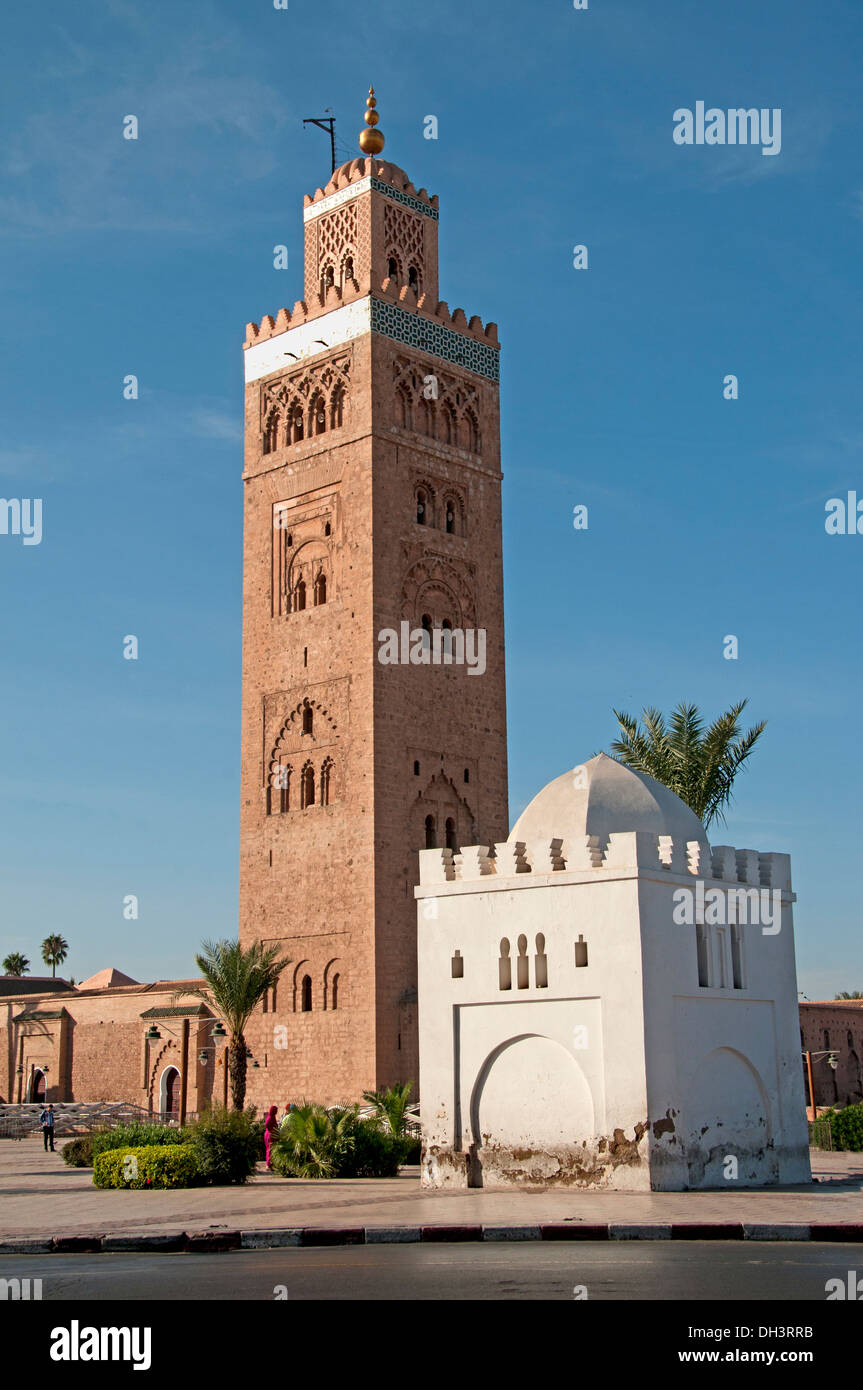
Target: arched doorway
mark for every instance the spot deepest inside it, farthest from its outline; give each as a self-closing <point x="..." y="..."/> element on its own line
<point x="38" y="1086"/>
<point x="169" y="1092"/>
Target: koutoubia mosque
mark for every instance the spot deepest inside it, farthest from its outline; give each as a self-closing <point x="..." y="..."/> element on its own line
<point x="372" y="501"/>
<point x="573" y="1030"/>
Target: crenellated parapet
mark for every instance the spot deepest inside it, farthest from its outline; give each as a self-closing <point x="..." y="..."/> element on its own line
<point x="389" y="178"/>
<point x="635" y="849"/>
<point x="405" y="296"/>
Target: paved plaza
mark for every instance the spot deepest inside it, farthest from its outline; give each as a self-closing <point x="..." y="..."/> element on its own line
<point x="41" y="1197"/>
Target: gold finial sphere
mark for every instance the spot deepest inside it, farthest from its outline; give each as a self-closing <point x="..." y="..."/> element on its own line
<point x="371" y="141"/>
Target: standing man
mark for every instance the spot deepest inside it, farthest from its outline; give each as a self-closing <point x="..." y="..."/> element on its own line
<point x="46" y="1120"/>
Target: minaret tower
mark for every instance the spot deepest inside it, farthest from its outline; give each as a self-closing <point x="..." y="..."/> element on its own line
<point x="372" y="506"/>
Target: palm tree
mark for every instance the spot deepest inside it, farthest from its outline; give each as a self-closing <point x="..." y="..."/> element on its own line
<point x="312" y="1140"/>
<point x="237" y="980"/>
<point x="698" y="765"/>
<point x="55" y="949"/>
<point x="390" y="1106"/>
<point x="16" y="964"/>
<point x="850" y="994"/>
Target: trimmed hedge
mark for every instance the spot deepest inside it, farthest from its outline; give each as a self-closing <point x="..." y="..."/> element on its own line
<point x="153" y="1166"/>
<point x="138" y="1136"/>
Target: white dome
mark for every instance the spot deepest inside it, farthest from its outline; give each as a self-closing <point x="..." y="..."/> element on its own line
<point x="602" y="797"/>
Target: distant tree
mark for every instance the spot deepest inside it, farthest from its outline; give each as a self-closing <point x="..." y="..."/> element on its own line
<point x="16" y="964"/>
<point x="55" y="949"/>
<point x="850" y="994"/>
<point x="699" y="765"/>
<point x="237" y="978"/>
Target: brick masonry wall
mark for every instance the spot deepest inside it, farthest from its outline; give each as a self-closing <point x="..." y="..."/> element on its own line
<point x="837" y="1025"/>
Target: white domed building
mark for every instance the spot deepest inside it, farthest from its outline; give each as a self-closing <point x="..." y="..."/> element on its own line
<point x="605" y="1001"/>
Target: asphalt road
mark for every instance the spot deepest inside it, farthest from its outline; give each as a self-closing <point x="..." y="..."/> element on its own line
<point x="721" y="1271"/>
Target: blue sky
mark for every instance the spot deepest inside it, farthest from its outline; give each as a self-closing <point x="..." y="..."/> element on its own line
<point x="706" y="516"/>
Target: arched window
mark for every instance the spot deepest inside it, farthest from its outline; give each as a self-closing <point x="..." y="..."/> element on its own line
<point x="413" y="278"/>
<point x="308" y="786"/>
<point x="523" y="964"/>
<point x="335" y="993"/>
<point x="504" y="966"/>
<point x="473" y="434"/>
<point x="449" y="516"/>
<point x="431" y="833"/>
<point x="449" y="426"/>
<point x="348" y="272"/>
<point x="337" y="406"/>
<point x="300" y="596"/>
<point x="327" y="529"/>
<point x="446" y="638"/>
<point x="467" y="774"/>
<point x="326" y="782"/>
<point x="540" y="963"/>
<point x="306" y="994"/>
<point x="416" y="767"/>
<point x="297" y="425"/>
<point x="702" y="951"/>
<point x="451" y="841"/>
<point x="320" y="589"/>
<point x="737" y="955"/>
<point x="280" y="788"/>
<point x="327" y="280"/>
<point x="392" y="268"/>
<point x="271" y="434"/>
<point x="317" y="415"/>
<point x="422" y="507"/>
<point x="426" y="625"/>
<point x="308" y="719"/>
<point x="405" y="411"/>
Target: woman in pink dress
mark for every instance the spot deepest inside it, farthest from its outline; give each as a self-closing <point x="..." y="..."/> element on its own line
<point x="271" y="1129"/>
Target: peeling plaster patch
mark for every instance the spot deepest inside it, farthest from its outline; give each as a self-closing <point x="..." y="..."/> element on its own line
<point x="665" y="1126"/>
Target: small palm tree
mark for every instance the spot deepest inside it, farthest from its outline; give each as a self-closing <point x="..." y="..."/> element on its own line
<point x="390" y="1106"/>
<point x="237" y="979"/>
<point x="850" y="994"/>
<point x="55" y="949"/>
<point x="699" y="765"/>
<point x="16" y="964"/>
<point x="312" y="1140"/>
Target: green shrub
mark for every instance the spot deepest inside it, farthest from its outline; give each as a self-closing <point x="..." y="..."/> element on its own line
<point x="138" y="1136"/>
<point x="313" y="1141"/>
<point x="153" y="1166"/>
<point x="376" y="1152"/>
<point x="227" y="1145"/>
<point x="413" y="1149"/>
<point x="78" y="1153"/>
<point x="318" y="1143"/>
<point x="846" y="1127"/>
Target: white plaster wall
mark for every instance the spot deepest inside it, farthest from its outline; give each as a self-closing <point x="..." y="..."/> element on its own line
<point x="704" y="1047"/>
<point x="591" y="1068"/>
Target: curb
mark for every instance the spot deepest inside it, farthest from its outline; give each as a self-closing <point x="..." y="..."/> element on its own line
<point x="217" y="1242"/>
